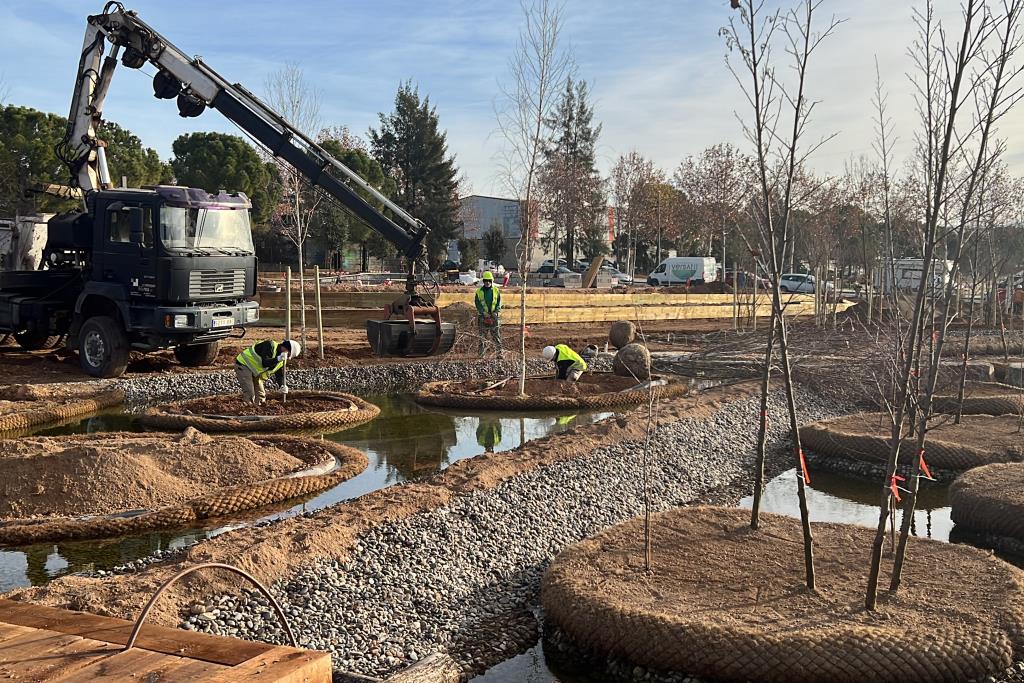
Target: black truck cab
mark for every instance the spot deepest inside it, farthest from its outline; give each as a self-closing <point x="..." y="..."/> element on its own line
<point x="152" y="268"/>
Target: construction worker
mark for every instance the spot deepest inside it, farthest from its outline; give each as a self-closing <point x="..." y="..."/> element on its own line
<point x="488" y="308"/>
<point x="569" y="363"/>
<point x="261" y="360"/>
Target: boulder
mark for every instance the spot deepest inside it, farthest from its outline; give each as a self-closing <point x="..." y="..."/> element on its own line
<point x="633" y="360"/>
<point x="622" y="333"/>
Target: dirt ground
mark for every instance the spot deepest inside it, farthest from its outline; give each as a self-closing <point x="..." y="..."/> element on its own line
<point x="105" y="473"/>
<point x="590" y="384"/>
<point x="725" y="597"/>
<point x="998" y="434"/>
<point x="274" y="551"/>
<point x="232" y="404"/>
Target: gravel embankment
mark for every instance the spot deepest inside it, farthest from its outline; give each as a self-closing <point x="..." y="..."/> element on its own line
<point x="441" y="579"/>
<point x="357" y="379"/>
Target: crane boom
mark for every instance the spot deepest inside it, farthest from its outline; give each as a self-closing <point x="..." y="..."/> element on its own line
<point x="196" y="86"/>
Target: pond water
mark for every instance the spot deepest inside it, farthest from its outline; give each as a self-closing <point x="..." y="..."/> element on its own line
<point x="406" y="441"/>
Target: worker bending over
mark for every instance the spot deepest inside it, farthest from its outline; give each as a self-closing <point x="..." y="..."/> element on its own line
<point x="488" y="308"/>
<point x="569" y="363"/>
<point x="262" y="360"/>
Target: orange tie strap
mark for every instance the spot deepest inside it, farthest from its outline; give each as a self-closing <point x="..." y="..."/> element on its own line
<point x="924" y="465"/>
<point x="803" y="466"/>
<point x="894" y="486"/>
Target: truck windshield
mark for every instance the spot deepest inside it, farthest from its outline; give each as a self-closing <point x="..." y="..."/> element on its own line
<point x="188" y="228"/>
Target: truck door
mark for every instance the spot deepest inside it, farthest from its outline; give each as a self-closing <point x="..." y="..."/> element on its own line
<point x="125" y="258"/>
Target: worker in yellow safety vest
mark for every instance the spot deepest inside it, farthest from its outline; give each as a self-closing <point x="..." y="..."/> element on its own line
<point x="488" y="308"/>
<point x="569" y="363"/>
<point x="260" y="361"/>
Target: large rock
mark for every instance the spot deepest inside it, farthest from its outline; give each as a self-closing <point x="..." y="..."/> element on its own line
<point x="622" y="333"/>
<point x="633" y="360"/>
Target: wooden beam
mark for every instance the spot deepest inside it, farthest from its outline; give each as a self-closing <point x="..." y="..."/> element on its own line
<point x="435" y="668"/>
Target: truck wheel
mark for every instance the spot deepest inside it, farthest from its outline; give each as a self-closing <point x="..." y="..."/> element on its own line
<point x="103" y="347"/>
<point x="34" y="341"/>
<point x="197" y="355"/>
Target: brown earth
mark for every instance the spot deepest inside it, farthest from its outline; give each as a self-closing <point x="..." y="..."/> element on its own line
<point x="729" y="603"/>
<point x="590" y="384"/>
<point x="106" y="473"/>
<point x="987" y="390"/>
<point x="232" y="404"/>
<point x="275" y="551"/>
<point x="997" y="434"/>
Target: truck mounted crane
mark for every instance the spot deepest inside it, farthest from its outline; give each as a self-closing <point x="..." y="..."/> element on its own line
<point x="174" y="267"/>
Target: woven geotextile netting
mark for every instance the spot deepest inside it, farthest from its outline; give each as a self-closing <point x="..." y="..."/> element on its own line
<point x="46" y="411"/>
<point x="724" y="602"/>
<point x="859" y="437"/>
<point x="990" y="500"/>
<point x="459" y="394"/>
<point x="351" y="411"/>
<point x="222" y="502"/>
<point x="983" y="398"/>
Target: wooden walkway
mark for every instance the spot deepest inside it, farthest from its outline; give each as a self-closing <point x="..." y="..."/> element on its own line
<point x="44" y="644"/>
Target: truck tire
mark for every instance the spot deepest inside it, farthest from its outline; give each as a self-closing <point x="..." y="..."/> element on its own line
<point x="103" y="347"/>
<point x="197" y="355"/>
<point x="34" y="341"/>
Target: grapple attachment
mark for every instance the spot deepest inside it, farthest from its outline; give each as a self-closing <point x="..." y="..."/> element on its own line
<point x="411" y="328"/>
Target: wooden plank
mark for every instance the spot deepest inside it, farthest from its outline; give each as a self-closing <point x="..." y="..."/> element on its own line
<point x="135" y="664"/>
<point x="281" y="665"/>
<point x="437" y="668"/>
<point x="592" y="271"/>
<point x="226" y="651"/>
<point x="8" y="631"/>
<point x="50" y="654"/>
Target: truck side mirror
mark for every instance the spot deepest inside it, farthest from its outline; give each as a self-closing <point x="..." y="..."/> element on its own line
<point x="135" y="235"/>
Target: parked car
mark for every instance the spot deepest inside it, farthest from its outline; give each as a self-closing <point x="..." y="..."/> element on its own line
<point x="746" y="279"/>
<point x="801" y="283"/>
<point x="618" y="274"/>
<point x="554" y="281"/>
<point x="548" y="269"/>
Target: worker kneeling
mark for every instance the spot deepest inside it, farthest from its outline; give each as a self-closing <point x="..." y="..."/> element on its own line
<point x="569" y="363"/>
<point x="261" y="360"/>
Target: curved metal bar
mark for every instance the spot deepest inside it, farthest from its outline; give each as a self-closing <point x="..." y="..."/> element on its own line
<point x="208" y="565"/>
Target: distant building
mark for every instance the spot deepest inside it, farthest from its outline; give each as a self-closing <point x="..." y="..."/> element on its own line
<point x="481" y="214"/>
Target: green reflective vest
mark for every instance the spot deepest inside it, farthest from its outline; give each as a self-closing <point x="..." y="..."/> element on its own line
<point x="481" y="301"/>
<point x="563" y="352"/>
<point x="250" y="359"/>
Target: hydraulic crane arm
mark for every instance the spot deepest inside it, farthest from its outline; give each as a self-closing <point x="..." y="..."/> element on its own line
<point x="196" y="86"/>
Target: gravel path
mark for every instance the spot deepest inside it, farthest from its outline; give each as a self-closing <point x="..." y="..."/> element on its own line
<point x="464" y="577"/>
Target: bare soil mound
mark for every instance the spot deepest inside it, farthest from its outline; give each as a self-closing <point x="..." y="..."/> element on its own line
<point x="977" y="440"/>
<point x="990" y="500"/>
<point x="234" y="405"/>
<point x="984" y="398"/>
<point x="594" y="391"/>
<point x="727" y="603"/>
<point x="101" y="474"/>
<point x="304" y="410"/>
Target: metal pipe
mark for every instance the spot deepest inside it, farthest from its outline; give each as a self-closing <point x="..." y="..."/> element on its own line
<point x="101" y="164"/>
<point x="209" y="565"/>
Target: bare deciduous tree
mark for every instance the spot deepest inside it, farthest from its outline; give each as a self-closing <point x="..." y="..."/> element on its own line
<point x="290" y="95"/>
<point x="752" y="37"/>
<point x="715" y="183"/>
<point x="538" y="70"/>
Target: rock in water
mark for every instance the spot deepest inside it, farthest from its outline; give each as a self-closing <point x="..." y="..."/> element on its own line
<point x="622" y="334"/>
<point x="633" y="360"/>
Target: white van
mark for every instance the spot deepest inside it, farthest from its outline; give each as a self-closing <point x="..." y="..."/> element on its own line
<point x="678" y="270"/>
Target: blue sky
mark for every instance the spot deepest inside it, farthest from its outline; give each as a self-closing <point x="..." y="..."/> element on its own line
<point x="656" y="68"/>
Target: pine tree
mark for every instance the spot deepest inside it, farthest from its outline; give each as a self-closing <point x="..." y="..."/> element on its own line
<point x="573" y="188"/>
<point x="413" y="150"/>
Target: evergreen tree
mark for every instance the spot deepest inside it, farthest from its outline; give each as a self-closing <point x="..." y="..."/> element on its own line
<point x="218" y="161"/>
<point x="574" y="195"/>
<point x="413" y="150"/>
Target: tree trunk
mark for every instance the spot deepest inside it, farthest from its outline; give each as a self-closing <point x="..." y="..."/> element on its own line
<point x="302" y="298"/>
<point x="762" y="430"/>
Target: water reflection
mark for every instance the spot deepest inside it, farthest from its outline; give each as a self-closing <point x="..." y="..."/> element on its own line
<point x="836" y="498"/>
<point x="406" y="441"/>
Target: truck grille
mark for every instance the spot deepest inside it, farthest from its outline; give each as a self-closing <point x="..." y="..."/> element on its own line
<point x="216" y="283"/>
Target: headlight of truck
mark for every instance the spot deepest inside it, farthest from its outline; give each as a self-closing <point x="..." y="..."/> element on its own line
<point x="252" y="315"/>
<point x="181" y="320"/>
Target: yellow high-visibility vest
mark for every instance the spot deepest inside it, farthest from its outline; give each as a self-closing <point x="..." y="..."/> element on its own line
<point x="495" y="300"/>
<point x="250" y="359"/>
<point x="563" y="352"/>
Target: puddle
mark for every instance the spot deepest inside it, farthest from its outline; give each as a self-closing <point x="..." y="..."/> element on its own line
<point x="406" y="441"/>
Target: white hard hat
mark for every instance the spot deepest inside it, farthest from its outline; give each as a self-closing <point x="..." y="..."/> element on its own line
<point x="295" y="347"/>
<point x="548" y="352"/>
